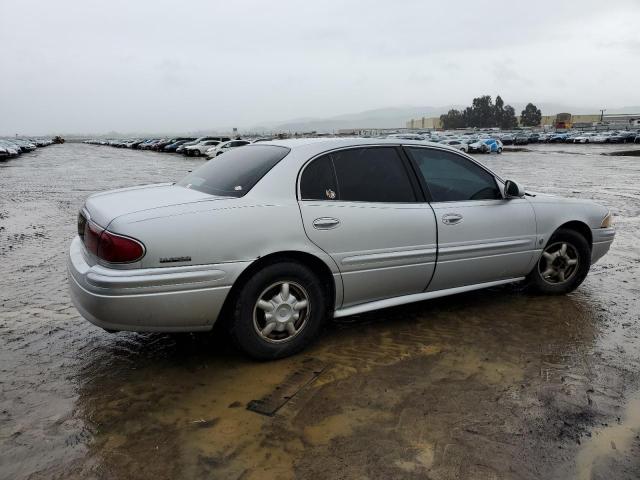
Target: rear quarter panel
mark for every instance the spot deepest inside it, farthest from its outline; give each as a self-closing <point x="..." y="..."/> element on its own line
<point x="218" y="232"/>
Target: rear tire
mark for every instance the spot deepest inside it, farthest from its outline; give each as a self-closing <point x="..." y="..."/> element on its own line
<point x="563" y="265"/>
<point x="279" y="311"/>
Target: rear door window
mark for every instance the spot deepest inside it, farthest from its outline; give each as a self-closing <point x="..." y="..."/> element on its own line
<point x="372" y="174"/>
<point x="318" y="180"/>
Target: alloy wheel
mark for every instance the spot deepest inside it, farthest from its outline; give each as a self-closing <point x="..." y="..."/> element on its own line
<point x="559" y="263"/>
<point x="281" y="312"/>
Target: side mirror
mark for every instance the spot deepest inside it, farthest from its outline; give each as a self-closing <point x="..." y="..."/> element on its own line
<point x="512" y="190"/>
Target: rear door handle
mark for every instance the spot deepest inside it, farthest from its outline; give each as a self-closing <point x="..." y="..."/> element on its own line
<point x="451" y="218"/>
<point x="325" y="223"/>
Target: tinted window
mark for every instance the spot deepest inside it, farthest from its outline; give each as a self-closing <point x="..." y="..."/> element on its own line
<point x="374" y="174"/>
<point x="236" y="172"/>
<point x="318" y="180"/>
<point x="451" y="177"/>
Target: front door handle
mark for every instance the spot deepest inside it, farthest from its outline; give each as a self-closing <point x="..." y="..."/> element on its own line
<point x="325" y="223"/>
<point x="451" y="218"/>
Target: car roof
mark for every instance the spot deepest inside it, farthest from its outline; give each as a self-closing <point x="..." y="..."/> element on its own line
<point x="319" y="145"/>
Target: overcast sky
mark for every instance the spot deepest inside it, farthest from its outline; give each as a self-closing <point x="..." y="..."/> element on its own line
<point x="153" y="65"/>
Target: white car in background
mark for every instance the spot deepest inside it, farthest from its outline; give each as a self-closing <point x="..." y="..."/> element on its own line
<point x="5" y="152"/>
<point x="601" y="137"/>
<point x="584" y="138"/>
<point x="225" y="147"/>
<point x="200" y="148"/>
<point x="458" y="144"/>
<point x="9" y="149"/>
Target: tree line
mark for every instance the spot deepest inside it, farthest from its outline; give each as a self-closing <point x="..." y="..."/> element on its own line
<point x="483" y="113"/>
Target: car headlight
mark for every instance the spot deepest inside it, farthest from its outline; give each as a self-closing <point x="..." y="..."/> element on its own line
<point x="607" y="221"/>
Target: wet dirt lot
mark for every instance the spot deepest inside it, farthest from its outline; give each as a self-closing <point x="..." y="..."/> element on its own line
<point x="488" y="385"/>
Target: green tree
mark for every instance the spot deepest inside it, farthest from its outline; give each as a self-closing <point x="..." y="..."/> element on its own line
<point x="452" y="119"/>
<point x="481" y="113"/>
<point x="498" y="111"/>
<point x="508" y="120"/>
<point x="531" y="116"/>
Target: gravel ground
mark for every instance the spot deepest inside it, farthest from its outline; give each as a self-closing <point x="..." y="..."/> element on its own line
<point x="491" y="384"/>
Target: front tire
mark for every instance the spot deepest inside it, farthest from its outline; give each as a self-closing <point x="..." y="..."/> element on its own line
<point x="499" y="150"/>
<point x="563" y="265"/>
<point x="279" y="311"/>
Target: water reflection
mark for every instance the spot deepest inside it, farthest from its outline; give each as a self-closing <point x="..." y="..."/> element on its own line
<point x="178" y="402"/>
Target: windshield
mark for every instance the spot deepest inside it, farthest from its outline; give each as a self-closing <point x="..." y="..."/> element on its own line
<point x="235" y="172"/>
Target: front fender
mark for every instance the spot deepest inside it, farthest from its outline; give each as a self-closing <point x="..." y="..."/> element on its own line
<point x="553" y="212"/>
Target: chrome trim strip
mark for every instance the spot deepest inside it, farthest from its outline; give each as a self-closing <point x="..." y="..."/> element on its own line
<point x="603" y="234"/>
<point x="390" y="267"/>
<point x="485" y="246"/>
<point x="148" y="294"/>
<point x="141" y="280"/>
<point x="519" y="252"/>
<point x="417" y="297"/>
<point x="383" y="257"/>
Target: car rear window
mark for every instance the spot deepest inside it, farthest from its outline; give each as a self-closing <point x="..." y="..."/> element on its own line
<point x="236" y="171"/>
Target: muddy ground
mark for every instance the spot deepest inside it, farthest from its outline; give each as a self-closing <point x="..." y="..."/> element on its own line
<point x="487" y="385"/>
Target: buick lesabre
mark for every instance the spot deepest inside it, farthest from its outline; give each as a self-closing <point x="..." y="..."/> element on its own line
<point x="276" y="237"/>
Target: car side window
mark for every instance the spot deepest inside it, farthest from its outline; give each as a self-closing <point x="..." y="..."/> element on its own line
<point x="372" y="174"/>
<point x="450" y="177"/>
<point x="318" y="180"/>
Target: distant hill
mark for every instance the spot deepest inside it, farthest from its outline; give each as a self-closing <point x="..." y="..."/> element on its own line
<point x="396" y="117"/>
<point x="393" y="117"/>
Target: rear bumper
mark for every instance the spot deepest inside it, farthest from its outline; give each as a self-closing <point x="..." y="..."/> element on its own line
<point x="602" y="240"/>
<point x="172" y="299"/>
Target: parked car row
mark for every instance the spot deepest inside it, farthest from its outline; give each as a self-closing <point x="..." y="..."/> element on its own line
<point x="13" y="147"/>
<point x="604" y="137"/>
<point x="525" y="137"/>
<point x="190" y="146"/>
<point x="469" y="143"/>
<point x="488" y="141"/>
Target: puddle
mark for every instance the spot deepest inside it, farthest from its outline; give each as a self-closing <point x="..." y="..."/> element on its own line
<point x="611" y="441"/>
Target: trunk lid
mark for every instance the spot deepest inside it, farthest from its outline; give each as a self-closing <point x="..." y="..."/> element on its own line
<point x="104" y="207"/>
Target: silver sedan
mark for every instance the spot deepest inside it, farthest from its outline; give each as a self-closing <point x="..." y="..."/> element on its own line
<point x="274" y="238"/>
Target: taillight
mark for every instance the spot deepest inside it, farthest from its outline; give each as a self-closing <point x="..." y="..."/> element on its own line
<point x="118" y="249"/>
<point x="82" y="223"/>
<point x="91" y="237"/>
<point x="111" y="247"/>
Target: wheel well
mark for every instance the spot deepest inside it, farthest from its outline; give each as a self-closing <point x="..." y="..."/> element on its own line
<point x="580" y="227"/>
<point x="314" y="263"/>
